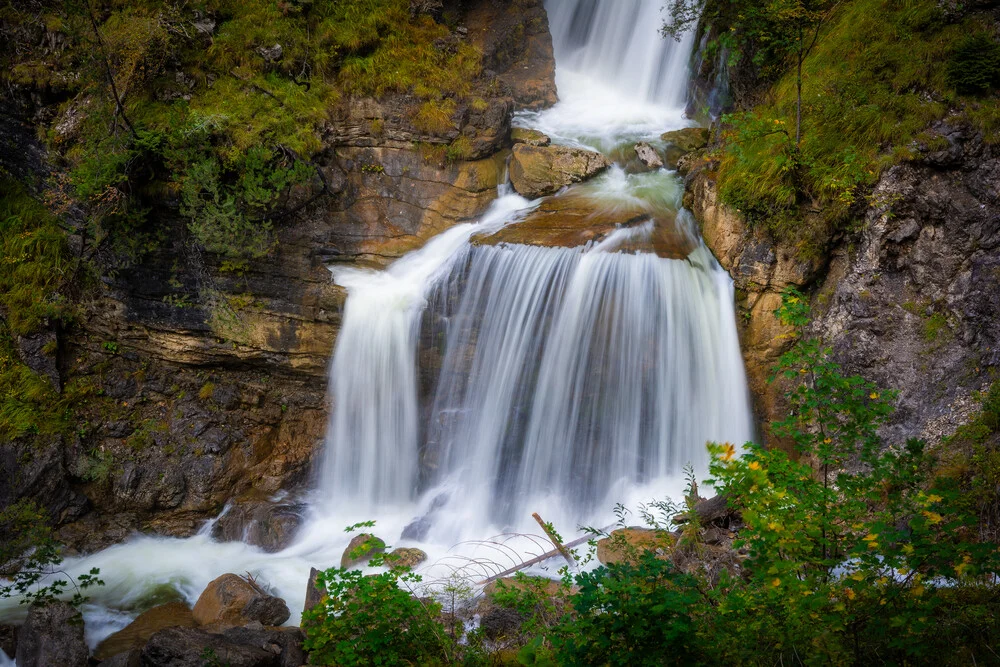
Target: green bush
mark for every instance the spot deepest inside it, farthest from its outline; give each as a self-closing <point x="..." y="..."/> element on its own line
<point x="974" y="65"/>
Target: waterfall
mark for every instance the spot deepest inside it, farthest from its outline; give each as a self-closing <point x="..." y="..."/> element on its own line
<point x="573" y="374"/>
<point x="618" y="44"/>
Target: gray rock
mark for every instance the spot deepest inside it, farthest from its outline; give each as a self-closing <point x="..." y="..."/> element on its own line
<point x="52" y="635"/>
<point x="648" y="155"/>
<point x="191" y="647"/>
<point x="271" y="53"/>
<point x="267" y="525"/>
<point x="286" y="643"/>
<point x="130" y="658"/>
<point x="313" y="592"/>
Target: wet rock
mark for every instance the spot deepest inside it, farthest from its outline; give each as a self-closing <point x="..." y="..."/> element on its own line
<point x="572" y="219"/>
<point x="536" y="171"/>
<point x="648" y="155"/>
<point x="285" y="643"/>
<point x="192" y="647"/>
<point x="232" y="601"/>
<point x="52" y="635"/>
<point x="361" y="549"/>
<point x="137" y="633"/>
<point x="521" y="135"/>
<point x="406" y="557"/>
<point x="687" y="139"/>
<point x="260" y="523"/>
<point x="672" y="156"/>
<point x="625" y="544"/>
<point x="417" y="529"/>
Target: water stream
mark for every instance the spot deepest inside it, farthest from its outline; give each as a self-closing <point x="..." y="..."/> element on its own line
<point x="565" y="379"/>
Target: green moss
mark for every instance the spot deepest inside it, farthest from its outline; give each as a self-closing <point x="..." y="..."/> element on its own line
<point x="34" y="260"/>
<point x="934" y="326"/>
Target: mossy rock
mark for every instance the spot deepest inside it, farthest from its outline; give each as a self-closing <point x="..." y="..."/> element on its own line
<point x="522" y="135"/>
<point x="536" y="171"/>
<point x="687" y="139"/>
<point x="361" y="549"/>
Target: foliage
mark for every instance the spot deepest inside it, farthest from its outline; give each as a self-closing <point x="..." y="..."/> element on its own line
<point x="34" y="258"/>
<point x="974" y="65"/>
<point x="30" y="559"/>
<point x="374" y="619"/>
<point x="876" y="79"/>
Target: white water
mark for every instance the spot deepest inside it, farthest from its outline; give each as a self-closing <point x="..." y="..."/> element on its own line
<point x="570" y="379"/>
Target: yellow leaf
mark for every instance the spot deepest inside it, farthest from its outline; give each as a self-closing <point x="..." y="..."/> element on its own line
<point x="776" y="583"/>
<point x="873" y="395"/>
<point x="933" y="517"/>
<point x="754" y="465"/>
<point x="934" y="498"/>
<point x="870" y="537"/>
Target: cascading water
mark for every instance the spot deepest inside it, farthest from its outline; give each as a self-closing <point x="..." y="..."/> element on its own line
<point x="567" y="379"/>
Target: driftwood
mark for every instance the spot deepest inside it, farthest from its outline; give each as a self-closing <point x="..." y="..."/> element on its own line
<point x="708" y="511"/>
<point x="555" y="540"/>
<point x="534" y="561"/>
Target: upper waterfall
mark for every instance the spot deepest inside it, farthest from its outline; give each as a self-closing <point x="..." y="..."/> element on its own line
<point x="618" y="44"/>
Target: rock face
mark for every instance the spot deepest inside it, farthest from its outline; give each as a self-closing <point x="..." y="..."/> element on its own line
<point x="52" y="635"/>
<point x="232" y="601"/>
<point x="909" y="302"/>
<point x="536" y="171"/>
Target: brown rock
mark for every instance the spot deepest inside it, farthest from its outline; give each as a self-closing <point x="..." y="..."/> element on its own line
<point x="137" y="633"/>
<point x="625" y="544"/>
<point x="536" y="171"/>
<point x="406" y="557"/>
<point x="572" y="219"/>
<point x="232" y="601"/>
<point x="687" y="139"/>
<point x="314" y="594"/>
<point x="260" y="523"/>
<point x="521" y="135"/>
<point x="361" y="549"/>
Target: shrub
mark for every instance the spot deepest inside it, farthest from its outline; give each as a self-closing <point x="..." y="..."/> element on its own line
<point x="974" y="64"/>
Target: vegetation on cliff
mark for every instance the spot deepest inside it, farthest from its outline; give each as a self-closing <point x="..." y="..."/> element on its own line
<point x="878" y="75"/>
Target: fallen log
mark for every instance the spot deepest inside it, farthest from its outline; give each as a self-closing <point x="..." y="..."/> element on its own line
<point x="555" y="540"/>
<point x="538" y="559"/>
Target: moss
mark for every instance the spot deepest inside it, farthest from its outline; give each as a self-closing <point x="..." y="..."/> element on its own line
<point x="934" y="326"/>
<point x="207" y="391"/>
<point x="34" y="261"/>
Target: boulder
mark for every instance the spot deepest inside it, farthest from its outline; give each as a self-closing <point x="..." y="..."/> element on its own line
<point x="260" y="523"/>
<point x="672" y="156"/>
<point x="406" y="557"/>
<point x="648" y="155"/>
<point x="625" y="544"/>
<point x="361" y="549"/>
<point x="52" y="635"/>
<point x="687" y="139"/>
<point x="523" y="135"/>
<point x="536" y="171"/>
<point x="137" y="633"/>
<point x="192" y="647"/>
<point x="286" y="643"/>
<point x="232" y="601"/>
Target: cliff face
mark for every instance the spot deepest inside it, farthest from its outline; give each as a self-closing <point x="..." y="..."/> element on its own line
<point x="208" y="384"/>
<point x="909" y="301"/>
